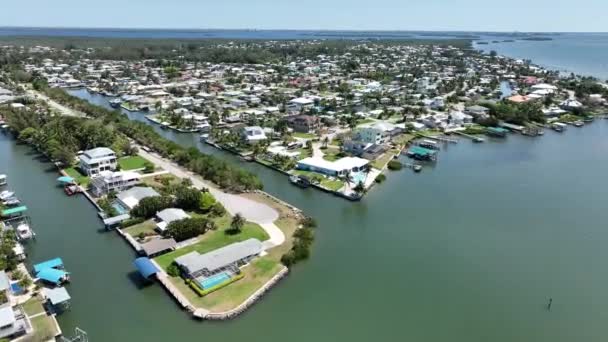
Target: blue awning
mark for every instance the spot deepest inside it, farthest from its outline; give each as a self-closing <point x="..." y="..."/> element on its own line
<point x="52" y="275"/>
<point x="53" y="263"/>
<point x="145" y="267"/>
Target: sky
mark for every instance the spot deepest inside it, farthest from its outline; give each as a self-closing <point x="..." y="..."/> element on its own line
<point x="429" y="15"/>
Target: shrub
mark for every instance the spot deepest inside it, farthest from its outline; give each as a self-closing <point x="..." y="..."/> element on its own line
<point x="148" y="167"/>
<point x="218" y="210"/>
<point x="381" y="178"/>
<point x="131" y="222"/>
<point x="308" y="222"/>
<point x="207" y="201"/>
<point x="395" y="165"/>
<point x="173" y="270"/>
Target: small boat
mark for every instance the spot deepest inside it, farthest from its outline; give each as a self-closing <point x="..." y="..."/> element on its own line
<point x="12" y="202"/>
<point x="430" y="144"/>
<point x="478" y="140"/>
<point x="4" y="195"/>
<point x="204" y="137"/>
<point x="588" y="118"/>
<point x="578" y="123"/>
<point x="164" y="125"/>
<point x="115" y="103"/>
<point x="24" y="232"/>
<point x="417" y="168"/>
<point x="301" y="181"/>
<point x="3" y="180"/>
<point x="558" y="126"/>
<point x="71" y="190"/>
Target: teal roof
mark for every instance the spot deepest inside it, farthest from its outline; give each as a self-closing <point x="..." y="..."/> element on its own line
<point x="52" y="275"/>
<point x="498" y="129"/>
<point x="15" y="210"/>
<point x="53" y="263"/>
<point x="421" y="151"/>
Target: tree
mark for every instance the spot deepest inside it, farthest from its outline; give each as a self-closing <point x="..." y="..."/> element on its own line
<point x="206" y="202"/>
<point x="359" y="188"/>
<point x="188" y="228"/>
<point x="187" y="198"/>
<point x="218" y="210"/>
<point x="149" y="206"/>
<point x="238" y="221"/>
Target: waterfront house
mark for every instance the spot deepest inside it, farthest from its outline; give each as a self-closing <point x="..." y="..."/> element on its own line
<point x="93" y="161"/>
<point x="225" y="259"/>
<point x="156" y="247"/>
<point x="337" y="168"/>
<point x="377" y="133"/>
<point x="571" y="104"/>
<point x="478" y="112"/>
<point x="108" y="181"/>
<point x="253" y="134"/>
<point x="355" y="147"/>
<point x="303" y="123"/>
<point x="166" y="216"/>
<point x="13" y="322"/>
<point x="130" y="198"/>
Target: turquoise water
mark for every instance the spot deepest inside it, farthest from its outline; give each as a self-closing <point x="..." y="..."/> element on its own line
<point x="214" y="280"/>
<point x="358" y="177"/>
<point x="119" y="208"/>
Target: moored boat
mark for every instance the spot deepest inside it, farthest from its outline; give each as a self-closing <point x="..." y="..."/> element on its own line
<point x="300" y="181"/>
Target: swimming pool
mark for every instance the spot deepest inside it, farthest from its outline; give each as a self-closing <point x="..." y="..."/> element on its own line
<point x="16" y="288"/>
<point x="358" y="177"/>
<point x="119" y="208"/>
<point x="214" y="280"/>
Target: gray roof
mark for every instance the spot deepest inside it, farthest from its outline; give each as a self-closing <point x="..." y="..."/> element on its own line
<point x="194" y="262"/>
<point x="5" y="283"/>
<point x="171" y="214"/>
<point x="98" y="152"/>
<point x="477" y="108"/>
<point x="137" y="193"/>
<point x="158" y="245"/>
<point x="7" y="316"/>
<point x="57" y="295"/>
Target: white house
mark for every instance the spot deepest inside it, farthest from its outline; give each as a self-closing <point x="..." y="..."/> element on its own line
<point x="166" y="216"/>
<point x="297" y="105"/>
<point x="98" y="159"/>
<point x="130" y="198"/>
<point x="378" y="133"/>
<point x="333" y="168"/>
<point x="253" y="134"/>
<point x="107" y="181"/>
<point x="570" y="104"/>
<point x="460" y="118"/>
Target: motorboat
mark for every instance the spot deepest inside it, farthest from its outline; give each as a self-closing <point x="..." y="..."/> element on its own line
<point x="115" y="103"/>
<point x="24" y="232"/>
<point x="3" y="180"/>
<point x="4" y="195"/>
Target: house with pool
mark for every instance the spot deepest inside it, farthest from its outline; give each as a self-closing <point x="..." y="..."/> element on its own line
<point x="219" y="266"/>
<point x="337" y="168"/>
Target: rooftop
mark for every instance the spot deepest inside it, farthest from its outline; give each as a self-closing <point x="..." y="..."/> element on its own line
<point x="221" y="257"/>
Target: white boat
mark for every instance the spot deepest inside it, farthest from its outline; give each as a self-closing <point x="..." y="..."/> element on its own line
<point x="204" y="137"/>
<point x="24" y="232"/>
<point x="4" y="195"/>
<point x="3" y="180"/>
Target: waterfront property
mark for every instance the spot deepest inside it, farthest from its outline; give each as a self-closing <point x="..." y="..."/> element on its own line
<point x="225" y="259"/>
<point x="166" y="216"/>
<point x="58" y="298"/>
<point x="157" y="246"/>
<point x="338" y="168"/>
<point x="93" y="161"/>
<point x="128" y="199"/>
<point x="13" y="322"/>
<point x="52" y="272"/>
<point x="113" y="181"/>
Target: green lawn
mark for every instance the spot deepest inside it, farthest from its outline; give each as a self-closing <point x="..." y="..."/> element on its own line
<point x="304" y="135"/>
<point x="44" y="329"/>
<point x="215" y="239"/>
<point x="331" y="154"/>
<point x="144" y="227"/>
<point x="256" y="274"/>
<point x="333" y="185"/>
<point x="365" y="121"/>
<point x="382" y="160"/>
<point x="79" y="177"/>
<point x="132" y="163"/>
<point x="33" y="306"/>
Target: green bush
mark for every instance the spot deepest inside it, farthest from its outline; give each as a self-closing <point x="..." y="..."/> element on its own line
<point x="395" y="165"/>
<point x="173" y="270"/>
<point x="381" y="178"/>
<point x="131" y="222"/>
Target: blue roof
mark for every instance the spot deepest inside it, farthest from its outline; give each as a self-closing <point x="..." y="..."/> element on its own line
<point x="51" y="275"/>
<point x="421" y="151"/>
<point x="53" y="263"/>
<point x="65" y="179"/>
<point x="145" y="267"/>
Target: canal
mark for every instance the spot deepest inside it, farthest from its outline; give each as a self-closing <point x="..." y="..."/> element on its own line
<point x="470" y="250"/>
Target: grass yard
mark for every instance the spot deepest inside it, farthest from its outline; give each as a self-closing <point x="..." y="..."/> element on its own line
<point x="33" y="306"/>
<point x="144" y="227"/>
<point x="44" y="329"/>
<point x="132" y="162"/>
<point x="215" y="239"/>
<point x="304" y="135"/>
<point x="256" y="274"/>
<point x="365" y="121"/>
<point x="404" y="138"/>
<point x="79" y="177"/>
<point x="382" y="160"/>
<point x="333" y="185"/>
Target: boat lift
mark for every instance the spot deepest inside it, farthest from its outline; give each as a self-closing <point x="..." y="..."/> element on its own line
<point x="79" y="336"/>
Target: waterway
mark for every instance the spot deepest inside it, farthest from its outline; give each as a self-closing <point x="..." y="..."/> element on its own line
<point x="470" y="250"/>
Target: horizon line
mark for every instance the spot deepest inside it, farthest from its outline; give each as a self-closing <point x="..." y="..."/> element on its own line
<point x="284" y="29"/>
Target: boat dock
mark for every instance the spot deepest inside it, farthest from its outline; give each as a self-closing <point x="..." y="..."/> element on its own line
<point x="472" y="137"/>
<point x="438" y="138"/>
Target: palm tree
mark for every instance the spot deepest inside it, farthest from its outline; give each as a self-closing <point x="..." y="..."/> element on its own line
<point x="325" y="142"/>
<point x="238" y="221"/>
<point x="359" y="188"/>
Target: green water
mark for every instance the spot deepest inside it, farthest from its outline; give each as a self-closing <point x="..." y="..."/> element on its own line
<point x="469" y="250"/>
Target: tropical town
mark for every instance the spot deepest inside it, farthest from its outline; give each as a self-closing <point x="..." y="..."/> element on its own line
<point x="335" y="117"/>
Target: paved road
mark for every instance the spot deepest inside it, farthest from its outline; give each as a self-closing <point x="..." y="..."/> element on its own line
<point x="57" y="106"/>
<point x="253" y="211"/>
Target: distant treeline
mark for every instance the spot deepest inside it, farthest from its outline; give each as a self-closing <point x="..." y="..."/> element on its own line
<point x="208" y="50"/>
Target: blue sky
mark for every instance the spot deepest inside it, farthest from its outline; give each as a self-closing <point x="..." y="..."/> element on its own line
<point x="466" y="15"/>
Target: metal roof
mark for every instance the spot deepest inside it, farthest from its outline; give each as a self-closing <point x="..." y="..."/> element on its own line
<point x="158" y="245"/>
<point x="145" y="267"/>
<point x="171" y="214"/>
<point x="52" y="275"/>
<point x="222" y="257"/>
<point x="53" y="263"/>
<point x="15" y="210"/>
<point x="57" y="295"/>
<point x="7" y="316"/>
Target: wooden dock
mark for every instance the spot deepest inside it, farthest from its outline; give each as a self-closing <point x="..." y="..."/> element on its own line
<point x="472" y="137"/>
<point x="438" y="138"/>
